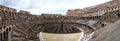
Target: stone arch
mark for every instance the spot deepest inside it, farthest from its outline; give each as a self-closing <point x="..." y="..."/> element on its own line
<point x="5" y="32"/>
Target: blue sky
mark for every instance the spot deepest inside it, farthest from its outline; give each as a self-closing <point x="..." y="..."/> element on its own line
<point x="37" y="7"/>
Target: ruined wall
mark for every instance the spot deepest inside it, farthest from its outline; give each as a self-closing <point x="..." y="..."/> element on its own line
<point x="7" y="8"/>
<point x="95" y="10"/>
<point x="24" y="12"/>
<point x="26" y="26"/>
<point x="9" y="17"/>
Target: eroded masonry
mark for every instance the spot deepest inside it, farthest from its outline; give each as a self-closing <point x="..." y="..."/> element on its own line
<point x="23" y="26"/>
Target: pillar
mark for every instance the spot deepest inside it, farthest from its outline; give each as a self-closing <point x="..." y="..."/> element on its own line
<point x="9" y="33"/>
<point x="2" y="33"/>
<point x="2" y="36"/>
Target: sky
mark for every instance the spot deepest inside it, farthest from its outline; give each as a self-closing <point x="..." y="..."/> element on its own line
<point x="38" y="7"/>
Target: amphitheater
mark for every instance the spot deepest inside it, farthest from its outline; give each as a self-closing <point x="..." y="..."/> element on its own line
<point x="96" y="23"/>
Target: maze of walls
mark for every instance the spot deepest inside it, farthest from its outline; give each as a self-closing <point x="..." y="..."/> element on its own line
<point x="23" y="26"/>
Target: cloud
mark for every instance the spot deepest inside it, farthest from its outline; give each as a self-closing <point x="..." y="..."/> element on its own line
<point x="49" y="6"/>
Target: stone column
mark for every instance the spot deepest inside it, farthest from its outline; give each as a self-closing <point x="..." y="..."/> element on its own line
<point x="9" y="34"/>
<point x="2" y="33"/>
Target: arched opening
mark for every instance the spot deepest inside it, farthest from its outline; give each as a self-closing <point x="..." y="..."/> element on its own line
<point x="9" y="29"/>
<point x="5" y="36"/>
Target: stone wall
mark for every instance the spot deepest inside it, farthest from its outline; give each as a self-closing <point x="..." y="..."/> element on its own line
<point x="95" y="10"/>
<point x="24" y="12"/>
<point x="26" y="25"/>
<point x="7" y="8"/>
